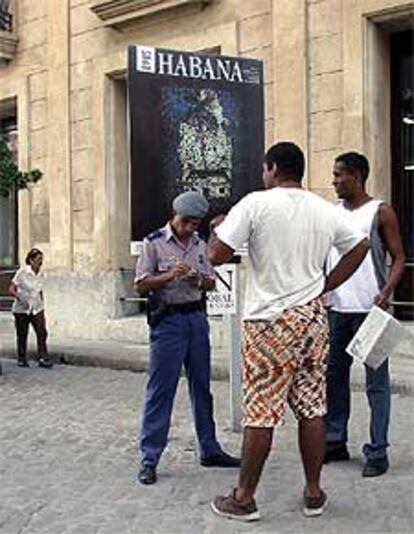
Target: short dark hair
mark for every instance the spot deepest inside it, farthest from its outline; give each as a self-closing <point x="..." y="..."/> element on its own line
<point x="31" y="255"/>
<point x="289" y="159"/>
<point x="355" y="162"/>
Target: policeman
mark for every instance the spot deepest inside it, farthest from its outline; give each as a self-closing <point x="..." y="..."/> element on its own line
<point x="173" y="266"/>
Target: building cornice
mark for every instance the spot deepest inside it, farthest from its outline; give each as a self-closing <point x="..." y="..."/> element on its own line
<point x="8" y="43"/>
<point x="117" y="13"/>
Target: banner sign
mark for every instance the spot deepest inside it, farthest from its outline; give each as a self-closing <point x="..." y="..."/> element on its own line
<point x="197" y="123"/>
<point x="222" y="300"/>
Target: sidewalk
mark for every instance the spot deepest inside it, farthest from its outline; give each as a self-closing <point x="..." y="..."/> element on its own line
<point x="129" y="356"/>
<point x="68" y="463"/>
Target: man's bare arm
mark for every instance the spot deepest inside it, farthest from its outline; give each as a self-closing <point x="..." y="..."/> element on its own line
<point x="390" y="234"/>
<point x="217" y="251"/>
<point x="157" y="281"/>
<point x="346" y="266"/>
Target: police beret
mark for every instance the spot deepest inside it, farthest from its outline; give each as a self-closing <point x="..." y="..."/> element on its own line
<point x="191" y="204"/>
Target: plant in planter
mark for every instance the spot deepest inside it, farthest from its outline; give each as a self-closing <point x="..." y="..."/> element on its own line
<point x="11" y="178"/>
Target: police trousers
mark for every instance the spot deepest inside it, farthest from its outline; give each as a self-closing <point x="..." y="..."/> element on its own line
<point x="179" y="339"/>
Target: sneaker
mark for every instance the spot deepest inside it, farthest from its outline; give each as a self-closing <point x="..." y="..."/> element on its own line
<point x="220" y="460"/>
<point x="232" y="509"/>
<point x="375" y="468"/>
<point x="22" y="362"/>
<point x="314" y="506"/>
<point x="45" y="363"/>
<point x="147" y="475"/>
<point x="336" y="452"/>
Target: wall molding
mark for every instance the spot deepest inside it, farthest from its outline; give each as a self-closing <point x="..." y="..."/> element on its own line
<point x="119" y="13"/>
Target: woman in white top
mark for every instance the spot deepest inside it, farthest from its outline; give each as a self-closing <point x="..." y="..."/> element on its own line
<point x="28" y="308"/>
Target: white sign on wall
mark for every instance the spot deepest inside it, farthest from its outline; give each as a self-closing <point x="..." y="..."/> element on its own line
<point x="222" y="301"/>
<point x="135" y="248"/>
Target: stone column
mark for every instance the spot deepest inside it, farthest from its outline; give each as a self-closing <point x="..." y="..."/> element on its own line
<point x="58" y="132"/>
<point x="24" y="225"/>
<point x="290" y="72"/>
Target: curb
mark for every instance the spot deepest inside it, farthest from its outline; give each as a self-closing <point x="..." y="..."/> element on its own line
<point x="139" y="365"/>
<point x="219" y="370"/>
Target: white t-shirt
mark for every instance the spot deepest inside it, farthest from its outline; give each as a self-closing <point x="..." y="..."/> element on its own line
<point x="29" y="289"/>
<point x="288" y="232"/>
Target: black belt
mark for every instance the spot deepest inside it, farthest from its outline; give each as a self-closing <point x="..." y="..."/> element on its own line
<point x="186" y="307"/>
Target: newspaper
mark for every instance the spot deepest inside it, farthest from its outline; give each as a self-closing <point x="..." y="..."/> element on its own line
<point x="377" y="338"/>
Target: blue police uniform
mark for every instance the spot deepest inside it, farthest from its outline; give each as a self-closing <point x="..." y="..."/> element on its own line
<point x="181" y="337"/>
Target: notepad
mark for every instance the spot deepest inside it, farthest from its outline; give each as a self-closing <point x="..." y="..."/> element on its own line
<point x="377" y="338"/>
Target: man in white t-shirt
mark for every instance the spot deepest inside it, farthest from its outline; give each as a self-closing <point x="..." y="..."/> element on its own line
<point x="288" y="232"/>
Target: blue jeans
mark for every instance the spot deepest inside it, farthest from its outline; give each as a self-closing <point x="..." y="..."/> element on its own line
<point x="178" y="339"/>
<point x="342" y="327"/>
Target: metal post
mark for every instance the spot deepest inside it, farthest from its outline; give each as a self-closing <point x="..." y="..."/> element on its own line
<point x="234" y="321"/>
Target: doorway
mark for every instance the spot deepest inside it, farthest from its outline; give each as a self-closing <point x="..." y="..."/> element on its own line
<point x="402" y="157"/>
<point x="8" y="218"/>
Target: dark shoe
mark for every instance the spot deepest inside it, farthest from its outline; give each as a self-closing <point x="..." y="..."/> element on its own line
<point x="232" y="509"/>
<point x="220" y="460"/>
<point x="147" y="475"/>
<point x="22" y="363"/>
<point x="314" y="506"/>
<point x="375" y="468"/>
<point x="45" y="363"/>
<point x="336" y="452"/>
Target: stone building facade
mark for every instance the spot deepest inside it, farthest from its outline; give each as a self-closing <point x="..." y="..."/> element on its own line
<point x="327" y="67"/>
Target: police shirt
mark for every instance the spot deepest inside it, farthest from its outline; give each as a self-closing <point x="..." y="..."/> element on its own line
<point x="161" y="250"/>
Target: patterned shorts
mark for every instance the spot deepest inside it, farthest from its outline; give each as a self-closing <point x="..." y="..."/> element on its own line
<point x="285" y="362"/>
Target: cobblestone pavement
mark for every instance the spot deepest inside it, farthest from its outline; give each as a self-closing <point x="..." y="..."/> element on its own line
<point x="68" y="464"/>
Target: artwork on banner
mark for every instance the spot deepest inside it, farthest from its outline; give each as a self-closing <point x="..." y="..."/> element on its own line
<point x="223" y="299"/>
<point x="196" y="124"/>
